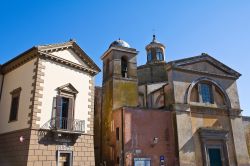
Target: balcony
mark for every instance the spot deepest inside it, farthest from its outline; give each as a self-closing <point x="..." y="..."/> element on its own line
<point x="65" y="125"/>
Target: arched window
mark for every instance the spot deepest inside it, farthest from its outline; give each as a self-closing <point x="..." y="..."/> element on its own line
<point x="107" y="68"/>
<point x="149" y="56"/>
<point x="124" y="67"/>
<point x="159" y="54"/>
<point x="205" y="90"/>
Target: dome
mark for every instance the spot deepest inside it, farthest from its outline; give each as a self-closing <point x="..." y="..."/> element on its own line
<point x="119" y="43"/>
<point x="154" y="43"/>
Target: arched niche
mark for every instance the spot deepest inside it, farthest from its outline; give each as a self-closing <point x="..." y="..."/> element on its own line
<point x="195" y="91"/>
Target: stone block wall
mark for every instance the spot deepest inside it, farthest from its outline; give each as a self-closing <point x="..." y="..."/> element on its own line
<point x="43" y="151"/>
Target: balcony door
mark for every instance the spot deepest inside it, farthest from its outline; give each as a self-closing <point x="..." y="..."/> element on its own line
<point x="64" y="112"/>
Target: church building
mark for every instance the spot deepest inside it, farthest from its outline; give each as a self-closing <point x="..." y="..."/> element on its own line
<point x="47" y="107"/>
<point x="179" y="113"/>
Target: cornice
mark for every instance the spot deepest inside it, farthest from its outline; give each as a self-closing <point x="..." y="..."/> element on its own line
<point x="203" y="58"/>
<point x="123" y="49"/>
<point x="203" y="72"/>
<point x="19" y="60"/>
<point x="30" y="54"/>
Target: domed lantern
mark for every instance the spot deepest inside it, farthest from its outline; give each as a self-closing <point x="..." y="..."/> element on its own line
<point x="155" y="51"/>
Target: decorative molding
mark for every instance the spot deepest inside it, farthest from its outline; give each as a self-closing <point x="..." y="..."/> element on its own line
<point x="16" y="91"/>
<point x="203" y="58"/>
<point x="214" y="138"/>
<point x="68" y="88"/>
<point x="47" y="49"/>
<point x="19" y="60"/>
<point x="123" y="49"/>
<point x="91" y="106"/>
<point x="204" y="73"/>
<point x="36" y="94"/>
<point x="189" y="90"/>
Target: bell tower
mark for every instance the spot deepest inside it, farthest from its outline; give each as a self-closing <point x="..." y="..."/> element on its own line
<point x="119" y="88"/>
<point x="120" y="74"/>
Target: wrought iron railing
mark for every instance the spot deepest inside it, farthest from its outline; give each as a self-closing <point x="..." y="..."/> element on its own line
<point x="65" y="124"/>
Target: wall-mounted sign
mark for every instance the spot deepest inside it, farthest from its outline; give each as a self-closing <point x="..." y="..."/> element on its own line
<point x="142" y="161"/>
<point x="64" y="147"/>
<point x="137" y="151"/>
<point x="162" y="160"/>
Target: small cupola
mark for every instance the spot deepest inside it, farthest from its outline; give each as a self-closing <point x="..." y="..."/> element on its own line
<point x="155" y="51"/>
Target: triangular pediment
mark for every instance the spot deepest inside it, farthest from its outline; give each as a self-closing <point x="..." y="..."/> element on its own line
<point x="69" y="88"/>
<point x="70" y="53"/>
<point x="205" y="64"/>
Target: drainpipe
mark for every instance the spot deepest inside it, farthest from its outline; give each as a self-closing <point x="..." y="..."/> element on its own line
<point x="123" y="153"/>
<point x="1" y="88"/>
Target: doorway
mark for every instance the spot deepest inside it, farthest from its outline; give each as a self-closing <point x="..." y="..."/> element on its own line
<point x="214" y="155"/>
<point x="64" y="158"/>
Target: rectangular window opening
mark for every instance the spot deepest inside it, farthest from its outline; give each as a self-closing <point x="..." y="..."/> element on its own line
<point x="117" y="133"/>
<point x="206" y="93"/>
<point x="14" y="104"/>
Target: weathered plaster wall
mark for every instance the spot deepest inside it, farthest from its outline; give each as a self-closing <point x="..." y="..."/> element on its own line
<point x="240" y="144"/>
<point x="246" y="123"/>
<point x="1" y="79"/>
<point x="98" y="124"/>
<point x="106" y="120"/>
<point x="140" y="126"/>
<point x="56" y="75"/>
<point x="182" y="80"/>
<point x="192" y="116"/>
<point x="19" y="77"/>
<point x="125" y="93"/>
<point x="152" y="73"/>
<point x="211" y="121"/>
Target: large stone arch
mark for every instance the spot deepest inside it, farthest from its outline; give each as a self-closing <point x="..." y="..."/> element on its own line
<point x="195" y="82"/>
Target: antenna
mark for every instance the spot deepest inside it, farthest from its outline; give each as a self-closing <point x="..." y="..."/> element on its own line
<point x="153" y="30"/>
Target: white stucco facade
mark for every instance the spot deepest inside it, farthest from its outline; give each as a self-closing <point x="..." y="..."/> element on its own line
<point x="57" y="75"/>
<point x="19" y="77"/>
<point x="70" y="56"/>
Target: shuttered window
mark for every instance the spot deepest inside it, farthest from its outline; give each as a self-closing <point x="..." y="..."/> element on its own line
<point x="63" y="113"/>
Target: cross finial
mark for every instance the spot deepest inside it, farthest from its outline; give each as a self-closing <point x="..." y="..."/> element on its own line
<point x="154" y="38"/>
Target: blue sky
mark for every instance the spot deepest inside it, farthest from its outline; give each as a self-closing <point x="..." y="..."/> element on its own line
<point x="187" y="28"/>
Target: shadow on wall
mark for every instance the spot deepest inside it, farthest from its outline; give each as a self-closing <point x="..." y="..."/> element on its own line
<point x="51" y="138"/>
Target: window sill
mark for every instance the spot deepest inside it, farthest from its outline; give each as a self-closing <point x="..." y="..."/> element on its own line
<point x="10" y="121"/>
<point x="207" y="105"/>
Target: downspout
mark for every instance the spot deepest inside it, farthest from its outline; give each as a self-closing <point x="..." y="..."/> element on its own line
<point x="1" y="87"/>
<point x="101" y="121"/>
<point x="123" y="153"/>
